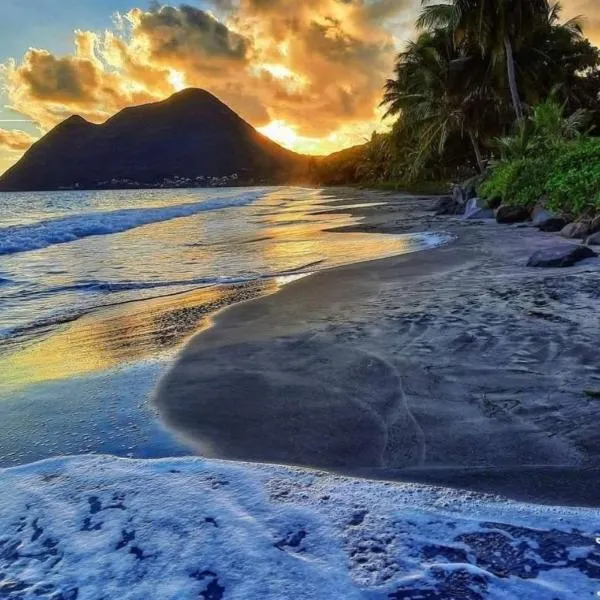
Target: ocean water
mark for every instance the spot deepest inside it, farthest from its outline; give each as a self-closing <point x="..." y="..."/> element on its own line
<point x="63" y="254"/>
<point x="99" y="290"/>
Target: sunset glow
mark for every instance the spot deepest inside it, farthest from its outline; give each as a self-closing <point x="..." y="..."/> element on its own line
<point x="177" y="80"/>
<point x="281" y="133"/>
<point x="312" y="81"/>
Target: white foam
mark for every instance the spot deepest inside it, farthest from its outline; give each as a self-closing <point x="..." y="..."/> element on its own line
<point x="34" y="236"/>
<point x="99" y="527"/>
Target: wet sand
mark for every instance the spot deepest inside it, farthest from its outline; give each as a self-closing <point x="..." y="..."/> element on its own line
<point x="457" y="366"/>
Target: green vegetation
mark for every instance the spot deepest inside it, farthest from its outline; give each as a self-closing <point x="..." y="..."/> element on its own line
<point x="503" y="88"/>
<point x="550" y="156"/>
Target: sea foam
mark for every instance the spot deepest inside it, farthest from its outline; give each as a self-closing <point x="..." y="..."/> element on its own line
<point x="92" y="527"/>
<point x="34" y="236"/>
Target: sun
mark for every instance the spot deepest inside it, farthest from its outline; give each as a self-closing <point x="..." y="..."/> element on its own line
<point x="177" y="80"/>
<point x="280" y="132"/>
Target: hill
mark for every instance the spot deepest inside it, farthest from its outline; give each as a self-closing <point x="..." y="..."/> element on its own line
<point x="190" y="138"/>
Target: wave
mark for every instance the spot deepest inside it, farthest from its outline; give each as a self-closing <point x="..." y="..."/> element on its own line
<point x="42" y="324"/>
<point x="141" y="529"/>
<point x="35" y="236"/>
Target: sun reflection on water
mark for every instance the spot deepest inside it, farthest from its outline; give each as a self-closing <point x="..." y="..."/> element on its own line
<point x="274" y="235"/>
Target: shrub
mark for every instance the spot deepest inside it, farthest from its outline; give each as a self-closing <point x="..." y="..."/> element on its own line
<point x="573" y="184"/>
<point x="520" y="181"/>
<point x="569" y="176"/>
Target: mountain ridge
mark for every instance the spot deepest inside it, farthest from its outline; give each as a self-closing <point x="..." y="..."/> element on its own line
<point x="190" y="138"/>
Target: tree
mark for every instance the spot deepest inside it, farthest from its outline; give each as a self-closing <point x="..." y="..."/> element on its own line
<point x="438" y="92"/>
<point x="500" y="28"/>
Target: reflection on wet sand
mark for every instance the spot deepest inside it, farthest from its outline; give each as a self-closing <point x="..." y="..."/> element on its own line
<point x="123" y="334"/>
<point x="293" y="239"/>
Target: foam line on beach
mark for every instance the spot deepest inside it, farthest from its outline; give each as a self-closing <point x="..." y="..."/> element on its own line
<point x="34" y="236"/>
<point x="191" y="528"/>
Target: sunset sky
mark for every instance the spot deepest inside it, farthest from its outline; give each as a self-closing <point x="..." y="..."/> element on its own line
<point x="308" y="73"/>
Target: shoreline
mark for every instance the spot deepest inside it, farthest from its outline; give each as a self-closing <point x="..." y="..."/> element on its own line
<point x="413" y="414"/>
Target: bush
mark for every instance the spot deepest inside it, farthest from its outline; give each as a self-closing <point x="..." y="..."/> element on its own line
<point x="573" y="183"/>
<point x="569" y="177"/>
<point x="520" y="181"/>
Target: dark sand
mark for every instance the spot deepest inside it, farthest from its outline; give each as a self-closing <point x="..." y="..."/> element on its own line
<point x="457" y="366"/>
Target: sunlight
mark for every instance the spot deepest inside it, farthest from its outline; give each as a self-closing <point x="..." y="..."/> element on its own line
<point x="280" y="132"/>
<point x="177" y="80"/>
<point x="278" y="71"/>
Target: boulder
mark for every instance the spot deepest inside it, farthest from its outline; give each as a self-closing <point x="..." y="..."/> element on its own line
<point x="447" y="205"/>
<point x="552" y="224"/>
<point x="560" y="256"/>
<point x="512" y="214"/>
<point x="477" y="209"/>
<point x="594" y="239"/>
<point x="494" y="202"/>
<point x="577" y="230"/>
<point x="546" y="221"/>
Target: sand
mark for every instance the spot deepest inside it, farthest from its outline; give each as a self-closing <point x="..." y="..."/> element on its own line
<point x="457" y="366"/>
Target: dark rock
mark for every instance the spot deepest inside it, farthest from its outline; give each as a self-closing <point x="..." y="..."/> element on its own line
<point x="511" y="214"/>
<point x="594" y="239"/>
<point x="546" y="221"/>
<point x="446" y="205"/>
<point x="577" y="230"/>
<point x="469" y="191"/>
<point x="552" y="224"/>
<point x="494" y="203"/>
<point x="595" y="225"/>
<point x="560" y="256"/>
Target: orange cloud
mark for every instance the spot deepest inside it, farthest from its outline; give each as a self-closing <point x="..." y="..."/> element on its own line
<point x="307" y="73"/>
<point x="13" y="140"/>
<point x="316" y="67"/>
<point x="588" y="10"/>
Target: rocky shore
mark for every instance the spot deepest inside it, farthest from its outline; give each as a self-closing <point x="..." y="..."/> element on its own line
<point x="464" y="201"/>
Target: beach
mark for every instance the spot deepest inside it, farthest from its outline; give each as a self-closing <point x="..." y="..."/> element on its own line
<point x="426" y="416"/>
<point x="456" y="366"/>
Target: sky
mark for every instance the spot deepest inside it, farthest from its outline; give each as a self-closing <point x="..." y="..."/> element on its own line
<point x="307" y="73"/>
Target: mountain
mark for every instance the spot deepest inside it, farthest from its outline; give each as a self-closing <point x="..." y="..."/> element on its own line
<point x="190" y="135"/>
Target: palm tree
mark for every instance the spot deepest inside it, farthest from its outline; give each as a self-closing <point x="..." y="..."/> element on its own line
<point x="497" y="27"/>
<point x="438" y="93"/>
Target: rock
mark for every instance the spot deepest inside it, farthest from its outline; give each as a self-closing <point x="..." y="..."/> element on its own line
<point x="595" y="225"/>
<point x="546" y="221"/>
<point x="594" y="239"/>
<point x="477" y="209"/>
<point x="552" y="224"/>
<point x="469" y="191"/>
<point x="560" y="256"/>
<point x="494" y="203"/>
<point x="577" y="230"/>
<point x="512" y="214"/>
<point x="446" y="205"/>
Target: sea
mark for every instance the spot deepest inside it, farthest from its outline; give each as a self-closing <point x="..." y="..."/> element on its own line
<point x="100" y="289"/>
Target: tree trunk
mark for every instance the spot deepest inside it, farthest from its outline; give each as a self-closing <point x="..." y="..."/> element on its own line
<point x="512" y="79"/>
<point x="477" y="150"/>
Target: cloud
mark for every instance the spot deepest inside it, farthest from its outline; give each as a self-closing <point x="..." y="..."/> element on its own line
<point x="317" y="66"/>
<point x="588" y="10"/>
<point x="188" y="37"/>
<point x="14" y="140"/>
